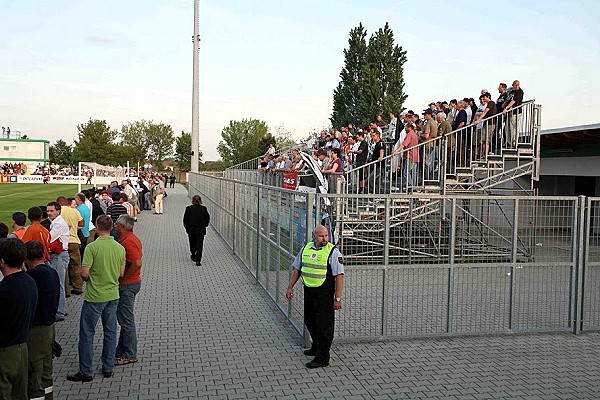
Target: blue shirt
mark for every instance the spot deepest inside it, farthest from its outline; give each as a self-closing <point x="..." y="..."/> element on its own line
<point x="86" y="215"/>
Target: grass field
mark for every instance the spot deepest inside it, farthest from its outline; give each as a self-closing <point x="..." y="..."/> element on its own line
<point x="21" y="196"/>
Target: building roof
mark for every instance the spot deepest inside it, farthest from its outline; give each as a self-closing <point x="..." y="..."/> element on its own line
<point x="570" y="129"/>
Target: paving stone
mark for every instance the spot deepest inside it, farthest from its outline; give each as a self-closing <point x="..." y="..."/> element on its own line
<point x="211" y="332"/>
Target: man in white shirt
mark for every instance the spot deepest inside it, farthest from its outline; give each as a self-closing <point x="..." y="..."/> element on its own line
<point x="59" y="231"/>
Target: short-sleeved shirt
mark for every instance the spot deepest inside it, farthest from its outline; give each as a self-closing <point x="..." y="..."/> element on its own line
<point x="86" y="214"/>
<point x="133" y="253"/>
<point x="361" y="159"/>
<point x="36" y="231"/>
<point x="48" y="287"/>
<point x="337" y="268"/>
<point x="410" y="142"/>
<point x="461" y="116"/>
<point x="18" y="301"/>
<point x="104" y="257"/>
<point x="72" y="217"/>
<point x="115" y="210"/>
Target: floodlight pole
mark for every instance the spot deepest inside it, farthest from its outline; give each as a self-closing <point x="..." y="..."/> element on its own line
<point x="195" y="130"/>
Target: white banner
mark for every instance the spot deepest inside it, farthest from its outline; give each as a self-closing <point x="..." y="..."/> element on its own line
<point x="97" y="181"/>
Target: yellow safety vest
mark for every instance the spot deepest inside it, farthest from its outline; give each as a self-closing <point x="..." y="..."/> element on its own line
<point x="314" y="264"/>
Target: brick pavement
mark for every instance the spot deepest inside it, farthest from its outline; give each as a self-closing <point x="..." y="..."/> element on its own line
<point x="211" y="333"/>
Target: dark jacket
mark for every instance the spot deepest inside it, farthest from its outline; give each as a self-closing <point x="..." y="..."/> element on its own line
<point x="196" y="219"/>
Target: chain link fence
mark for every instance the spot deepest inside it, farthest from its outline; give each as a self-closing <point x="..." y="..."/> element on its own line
<point x="423" y="265"/>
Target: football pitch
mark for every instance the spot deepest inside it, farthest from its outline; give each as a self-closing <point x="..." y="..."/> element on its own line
<point x="21" y="196"/>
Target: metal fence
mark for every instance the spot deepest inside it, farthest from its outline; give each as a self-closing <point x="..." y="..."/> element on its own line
<point x="424" y="266"/>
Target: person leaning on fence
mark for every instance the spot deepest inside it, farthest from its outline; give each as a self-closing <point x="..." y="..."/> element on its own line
<point x="18" y="302"/>
<point x="319" y="264"/>
<point x="41" y="336"/>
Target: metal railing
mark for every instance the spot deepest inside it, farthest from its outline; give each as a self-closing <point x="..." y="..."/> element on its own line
<point x="424" y="265"/>
<point x="472" y="157"/>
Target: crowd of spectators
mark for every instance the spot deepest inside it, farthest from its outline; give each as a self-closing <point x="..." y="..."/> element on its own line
<point x="486" y="126"/>
<point x="13" y="168"/>
<point x="58" y="245"/>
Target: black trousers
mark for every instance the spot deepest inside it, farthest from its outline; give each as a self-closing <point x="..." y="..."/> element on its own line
<point x="196" y="245"/>
<point x="319" y="318"/>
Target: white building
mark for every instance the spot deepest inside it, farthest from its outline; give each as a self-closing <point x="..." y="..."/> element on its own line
<point x="30" y="152"/>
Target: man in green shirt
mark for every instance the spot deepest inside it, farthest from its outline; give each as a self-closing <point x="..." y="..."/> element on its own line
<point x="103" y="264"/>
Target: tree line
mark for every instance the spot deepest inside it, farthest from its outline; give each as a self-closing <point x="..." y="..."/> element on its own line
<point x="136" y="142"/>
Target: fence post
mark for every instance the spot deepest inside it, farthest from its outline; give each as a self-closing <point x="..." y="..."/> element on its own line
<point x="513" y="262"/>
<point x="257" y="232"/>
<point x="580" y="237"/>
<point x="235" y="217"/>
<point x="386" y="261"/>
<point x="451" y="258"/>
<point x="312" y="201"/>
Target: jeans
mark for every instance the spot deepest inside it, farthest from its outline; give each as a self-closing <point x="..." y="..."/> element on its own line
<point x="127" y="347"/>
<point x="90" y="314"/>
<point x="60" y="262"/>
<point x="410" y="170"/>
<point x="148" y="205"/>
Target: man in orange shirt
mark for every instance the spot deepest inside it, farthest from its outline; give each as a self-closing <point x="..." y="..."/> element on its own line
<point x="129" y="286"/>
<point x="36" y="231"/>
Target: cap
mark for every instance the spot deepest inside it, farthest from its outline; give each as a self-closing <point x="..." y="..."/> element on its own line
<point x="428" y="112"/>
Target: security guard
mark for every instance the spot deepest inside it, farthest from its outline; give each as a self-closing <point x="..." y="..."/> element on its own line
<point x="319" y="265"/>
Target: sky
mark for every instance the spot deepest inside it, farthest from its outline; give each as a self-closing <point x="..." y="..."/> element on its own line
<point x="63" y="62"/>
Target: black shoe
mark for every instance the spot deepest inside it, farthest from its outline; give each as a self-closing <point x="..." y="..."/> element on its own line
<point x="198" y="263"/>
<point x="315" y="364"/>
<point x="310" y="352"/>
<point x="79" y="377"/>
<point x="59" y="319"/>
<point x="193" y="257"/>
<point x="107" y="374"/>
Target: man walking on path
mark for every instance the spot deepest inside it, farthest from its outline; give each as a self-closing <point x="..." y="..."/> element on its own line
<point x="103" y="264"/>
<point x="319" y="264"/>
<point x="18" y="301"/>
<point x="41" y="336"/>
<point x="195" y="221"/>
<point x="129" y="286"/>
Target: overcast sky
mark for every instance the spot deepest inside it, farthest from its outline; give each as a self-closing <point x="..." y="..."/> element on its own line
<point x="63" y="62"/>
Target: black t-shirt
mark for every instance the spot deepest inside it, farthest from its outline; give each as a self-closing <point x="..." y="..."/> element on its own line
<point x="363" y="147"/>
<point x="377" y="150"/>
<point x="48" y="288"/>
<point x="18" y="300"/>
<point x="461" y="116"/>
<point x="492" y="109"/>
<point x="501" y="102"/>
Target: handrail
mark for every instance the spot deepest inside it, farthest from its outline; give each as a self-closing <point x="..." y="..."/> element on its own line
<point x="253" y="163"/>
<point x="452" y="160"/>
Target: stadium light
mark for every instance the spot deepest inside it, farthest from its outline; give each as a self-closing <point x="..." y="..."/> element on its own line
<point x="195" y="130"/>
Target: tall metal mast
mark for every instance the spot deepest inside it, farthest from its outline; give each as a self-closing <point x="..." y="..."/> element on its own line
<point x="195" y="129"/>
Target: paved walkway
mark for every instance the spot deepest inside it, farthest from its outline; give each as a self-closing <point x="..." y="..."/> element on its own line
<point x="210" y="333"/>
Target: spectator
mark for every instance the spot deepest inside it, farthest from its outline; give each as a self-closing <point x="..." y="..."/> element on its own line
<point x="103" y="264"/>
<point x="59" y="256"/>
<point x="36" y="231"/>
<point x="335" y="164"/>
<point x="411" y="157"/>
<point x="3" y="230"/>
<point x="378" y="168"/>
<point x="42" y="333"/>
<point x="75" y="221"/>
<point x="18" y="299"/>
<point x="86" y="214"/>
<point x="18" y="224"/>
<point x="44" y="221"/>
<point x="361" y="160"/>
<point x="514" y="119"/>
<point x="489" y="127"/>
<point x="430" y="131"/>
<point x="159" y="194"/>
<point x="129" y="286"/>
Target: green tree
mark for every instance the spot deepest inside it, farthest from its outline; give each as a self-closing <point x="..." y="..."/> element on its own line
<point x="372" y="78"/>
<point x="243" y="140"/>
<point x="160" y="142"/>
<point x="134" y="138"/>
<point x="213" y="166"/>
<point x="60" y="153"/>
<point x="95" y="142"/>
<point x="183" y="151"/>
<point x="345" y="96"/>
<point x="382" y="89"/>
